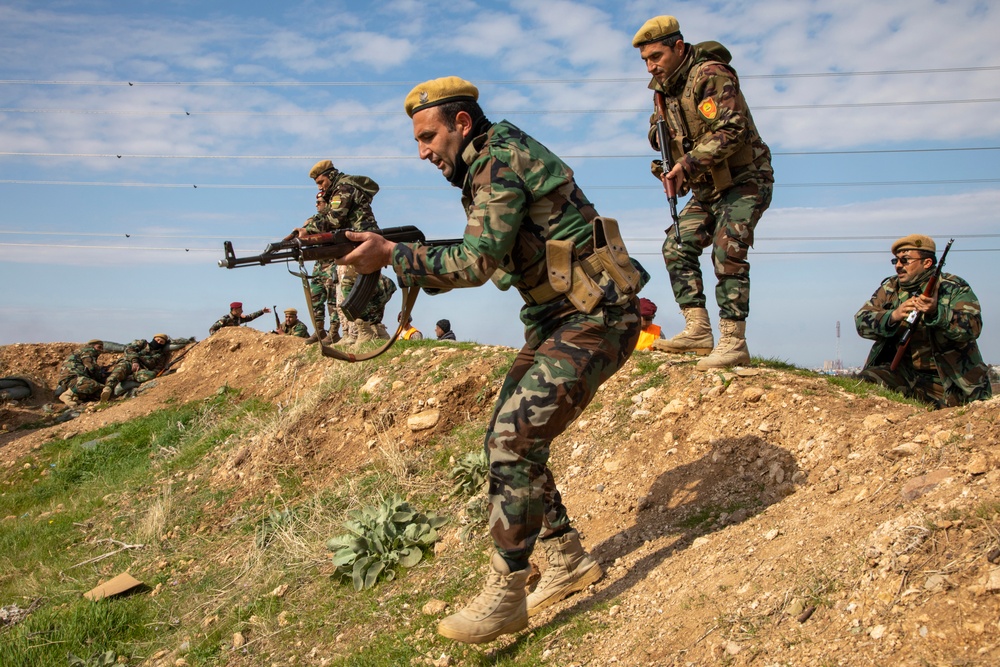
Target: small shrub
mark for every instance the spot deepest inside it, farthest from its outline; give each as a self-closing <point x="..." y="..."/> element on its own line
<point x="381" y="539"/>
<point x="470" y="473"/>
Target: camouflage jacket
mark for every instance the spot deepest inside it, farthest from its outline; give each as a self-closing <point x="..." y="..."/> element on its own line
<point x="517" y="195"/>
<point x="296" y="329"/>
<point x="83" y="363"/>
<point x="945" y="343"/>
<point x="138" y="351"/>
<point x="348" y="206"/>
<point x="230" y="320"/>
<point x="717" y="125"/>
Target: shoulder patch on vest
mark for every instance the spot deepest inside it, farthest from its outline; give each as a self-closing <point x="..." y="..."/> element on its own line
<point x="335" y="202"/>
<point x="708" y="109"/>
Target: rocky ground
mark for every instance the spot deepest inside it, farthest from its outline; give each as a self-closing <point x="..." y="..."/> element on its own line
<point x="756" y="517"/>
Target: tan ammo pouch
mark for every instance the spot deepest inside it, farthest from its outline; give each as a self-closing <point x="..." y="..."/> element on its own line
<point x="722" y="174"/>
<point x="610" y="249"/>
<point x="569" y="277"/>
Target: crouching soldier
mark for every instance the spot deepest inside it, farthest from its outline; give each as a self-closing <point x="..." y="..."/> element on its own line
<point x="83" y="378"/>
<point x="141" y="363"/>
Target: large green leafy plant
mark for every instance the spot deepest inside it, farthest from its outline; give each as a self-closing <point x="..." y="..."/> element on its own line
<point x="381" y="539"/>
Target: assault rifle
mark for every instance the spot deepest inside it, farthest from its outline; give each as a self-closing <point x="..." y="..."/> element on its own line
<point x="915" y="316"/>
<point x="663" y="137"/>
<point x="332" y="246"/>
<point x="274" y="309"/>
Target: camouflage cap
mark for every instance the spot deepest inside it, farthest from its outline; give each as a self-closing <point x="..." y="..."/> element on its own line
<point x="914" y="242"/>
<point x="655" y="29"/>
<point x="439" y="91"/>
<point x="291" y="311"/>
<point x="319" y="168"/>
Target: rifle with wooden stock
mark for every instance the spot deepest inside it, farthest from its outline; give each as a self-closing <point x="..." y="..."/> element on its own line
<point x="663" y="138"/>
<point x="915" y="316"/>
<point x="332" y="246"/>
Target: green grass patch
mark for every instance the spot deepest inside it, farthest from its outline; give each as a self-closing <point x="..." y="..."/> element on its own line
<point x="867" y="389"/>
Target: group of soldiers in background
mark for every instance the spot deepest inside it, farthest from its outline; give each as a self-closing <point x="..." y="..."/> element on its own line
<point x="85" y="379"/>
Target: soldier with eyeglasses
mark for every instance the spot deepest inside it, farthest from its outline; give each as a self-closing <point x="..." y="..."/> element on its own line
<point x="942" y="364"/>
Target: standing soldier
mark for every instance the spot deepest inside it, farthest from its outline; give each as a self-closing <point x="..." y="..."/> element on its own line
<point x="141" y="363"/>
<point x="343" y="202"/>
<point x="235" y="317"/>
<point x="292" y="326"/>
<point x="83" y="377"/>
<point x="942" y="364"/>
<point x="323" y="293"/>
<point x="529" y="226"/>
<point x="719" y="156"/>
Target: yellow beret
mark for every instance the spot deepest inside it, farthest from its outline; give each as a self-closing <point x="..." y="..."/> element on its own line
<point x="914" y="242"/>
<point x="320" y="167"/>
<point x="439" y="91"/>
<point x="163" y="336"/>
<point x="655" y="29"/>
<point x="291" y="311"/>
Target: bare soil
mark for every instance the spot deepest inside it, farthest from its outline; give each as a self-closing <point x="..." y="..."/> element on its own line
<point x="764" y="517"/>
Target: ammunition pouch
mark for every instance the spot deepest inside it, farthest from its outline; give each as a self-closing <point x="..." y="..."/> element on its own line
<point x="610" y="250"/>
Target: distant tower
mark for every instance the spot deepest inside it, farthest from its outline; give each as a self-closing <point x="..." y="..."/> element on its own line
<point x="837" y="364"/>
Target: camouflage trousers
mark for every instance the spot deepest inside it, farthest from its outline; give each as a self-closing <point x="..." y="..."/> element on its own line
<point x="122" y="371"/>
<point x="727" y="225"/>
<point x="545" y="389"/>
<point x="81" y="386"/>
<point x="323" y="294"/>
<point x="909" y="382"/>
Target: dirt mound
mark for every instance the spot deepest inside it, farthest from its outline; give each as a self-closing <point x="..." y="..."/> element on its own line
<point x="762" y="518"/>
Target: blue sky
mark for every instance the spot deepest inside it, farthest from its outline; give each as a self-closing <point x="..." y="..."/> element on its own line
<point x="883" y="118"/>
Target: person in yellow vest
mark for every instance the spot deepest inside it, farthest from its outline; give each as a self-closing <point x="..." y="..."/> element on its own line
<point x="410" y="332"/>
<point x="650" y="332"/>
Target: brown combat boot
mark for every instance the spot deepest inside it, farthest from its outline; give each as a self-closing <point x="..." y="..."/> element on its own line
<point x="319" y="335"/>
<point x="333" y="336"/>
<point x="570" y="570"/>
<point x="500" y="609"/>
<point x="106" y="394"/>
<point x="732" y="349"/>
<point x="696" y="336"/>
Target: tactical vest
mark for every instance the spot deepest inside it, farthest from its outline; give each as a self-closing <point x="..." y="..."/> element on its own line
<point x="687" y="127"/>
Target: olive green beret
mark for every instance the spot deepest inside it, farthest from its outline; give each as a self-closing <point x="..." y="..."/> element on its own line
<point x="291" y="311"/>
<point x="320" y="167"/>
<point x="914" y="242"/>
<point x="655" y="29"/>
<point x="439" y="91"/>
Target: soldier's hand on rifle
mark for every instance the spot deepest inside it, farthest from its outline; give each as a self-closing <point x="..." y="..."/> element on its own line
<point x="674" y="180"/>
<point x="374" y="252"/>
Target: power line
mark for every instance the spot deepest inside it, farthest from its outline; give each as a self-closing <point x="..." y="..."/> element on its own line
<point x="510" y="112"/>
<point x="646" y="156"/>
<point x="494" y="82"/>
<point x="432" y="188"/>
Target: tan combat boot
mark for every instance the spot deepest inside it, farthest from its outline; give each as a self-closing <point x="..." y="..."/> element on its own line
<point x="500" y="609"/>
<point x="696" y="336"/>
<point x="366" y="332"/>
<point x="570" y="570"/>
<point x="381" y="332"/>
<point x="106" y="394"/>
<point x="732" y="349"/>
<point x="350" y="334"/>
<point x="333" y="336"/>
<point x="69" y="398"/>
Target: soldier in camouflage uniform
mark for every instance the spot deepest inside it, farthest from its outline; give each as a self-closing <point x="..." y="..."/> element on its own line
<point x="292" y="326"/>
<point x="529" y="227"/>
<point x="719" y="156"/>
<point x="343" y="202"/>
<point x="83" y="378"/>
<point x="323" y="291"/>
<point x="374" y="312"/>
<point x="141" y="363"/>
<point x="942" y="364"/>
<point x="235" y="317"/>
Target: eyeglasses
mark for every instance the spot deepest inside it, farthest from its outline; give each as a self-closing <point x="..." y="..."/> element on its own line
<point x="903" y="261"/>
